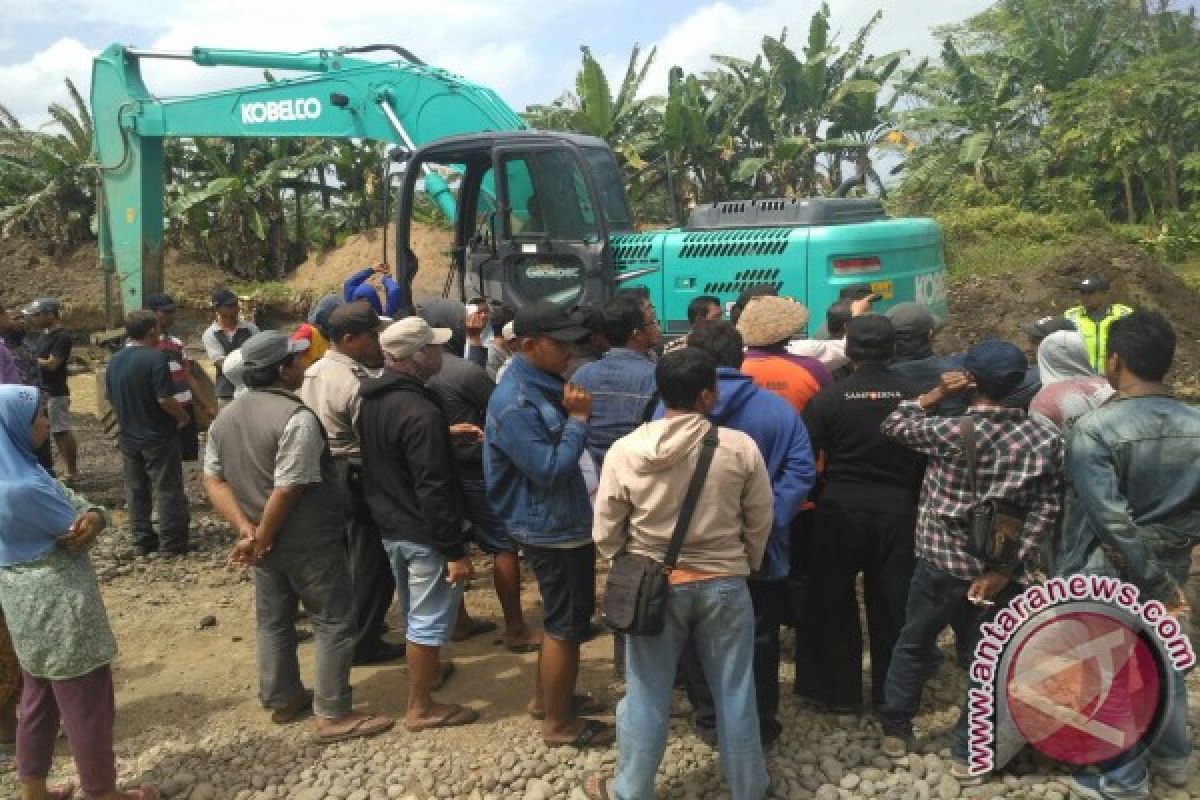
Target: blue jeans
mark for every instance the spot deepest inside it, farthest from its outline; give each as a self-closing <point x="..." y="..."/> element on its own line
<point x="935" y="599"/>
<point x="430" y="604"/>
<point x="718" y="617"/>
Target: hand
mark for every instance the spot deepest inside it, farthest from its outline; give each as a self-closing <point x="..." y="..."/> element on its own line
<point x="83" y="532"/>
<point x="182" y="422"/>
<point x="242" y="554"/>
<point x="577" y="401"/>
<point x="1177" y="603"/>
<point x="459" y="571"/>
<point x="382" y="268"/>
<point x="467" y="431"/>
<point x="955" y="382"/>
<point x="983" y="590"/>
<point x="863" y="304"/>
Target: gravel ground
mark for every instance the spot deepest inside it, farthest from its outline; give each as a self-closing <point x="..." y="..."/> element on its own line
<point x="188" y="718"/>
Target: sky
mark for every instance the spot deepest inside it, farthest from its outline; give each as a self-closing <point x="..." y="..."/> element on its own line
<point x="527" y="50"/>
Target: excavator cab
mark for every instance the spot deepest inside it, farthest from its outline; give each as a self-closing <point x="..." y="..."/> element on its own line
<point x="534" y="211"/>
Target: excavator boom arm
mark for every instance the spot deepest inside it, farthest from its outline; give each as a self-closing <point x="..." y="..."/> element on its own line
<point x="405" y="102"/>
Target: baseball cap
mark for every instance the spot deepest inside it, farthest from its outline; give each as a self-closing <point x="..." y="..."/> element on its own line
<point x="870" y="331"/>
<point x="160" y="302"/>
<point x="223" y="297"/>
<point x="43" y="305"/>
<point x="1045" y="326"/>
<point x="269" y="348"/>
<point x="406" y="336"/>
<point x="356" y="317"/>
<point x="997" y="366"/>
<point x="1092" y="283"/>
<point x="543" y="318"/>
<point x="912" y="318"/>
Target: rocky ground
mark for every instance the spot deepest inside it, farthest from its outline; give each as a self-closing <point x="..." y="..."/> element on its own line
<point x="188" y="718"/>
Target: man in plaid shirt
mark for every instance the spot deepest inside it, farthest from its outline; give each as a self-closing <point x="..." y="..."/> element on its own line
<point x="1018" y="461"/>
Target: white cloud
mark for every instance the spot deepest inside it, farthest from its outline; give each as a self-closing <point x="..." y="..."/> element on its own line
<point x="490" y="42"/>
<point x="737" y="29"/>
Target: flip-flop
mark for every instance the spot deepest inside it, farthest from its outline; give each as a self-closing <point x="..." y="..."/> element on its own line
<point x="455" y="715"/>
<point x="477" y="627"/>
<point x="369" y="725"/>
<point x="593" y="733"/>
<point x="448" y="670"/>
<point x="299" y="708"/>
<point x="523" y="647"/>
<point x="146" y="792"/>
<point x="581" y="706"/>
<point x="63" y="791"/>
<point x="597" y="787"/>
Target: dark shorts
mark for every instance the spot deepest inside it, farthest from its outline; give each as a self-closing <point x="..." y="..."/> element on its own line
<point x="567" y="580"/>
<point x="488" y="531"/>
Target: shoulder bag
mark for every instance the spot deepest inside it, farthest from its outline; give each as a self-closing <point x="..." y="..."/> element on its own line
<point x="635" y="596"/>
<point x="993" y="526"/>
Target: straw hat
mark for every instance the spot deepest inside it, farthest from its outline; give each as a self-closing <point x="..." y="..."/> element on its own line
<point x="767" y="320"/>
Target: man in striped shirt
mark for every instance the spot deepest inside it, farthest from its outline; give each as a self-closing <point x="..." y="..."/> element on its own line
<point x="187" y="392"/>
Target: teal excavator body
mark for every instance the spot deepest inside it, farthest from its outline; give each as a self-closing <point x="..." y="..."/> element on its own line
<point x="536" y="214"/>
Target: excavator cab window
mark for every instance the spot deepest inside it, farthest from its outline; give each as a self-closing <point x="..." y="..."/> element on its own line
<point x="608" y="182"/>
<point x="548" y="197"/>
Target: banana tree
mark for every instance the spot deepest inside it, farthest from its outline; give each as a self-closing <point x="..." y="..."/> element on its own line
<point x="55" y="170"/>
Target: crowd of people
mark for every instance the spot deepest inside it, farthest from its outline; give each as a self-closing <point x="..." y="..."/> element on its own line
<point x="361" y="458"/>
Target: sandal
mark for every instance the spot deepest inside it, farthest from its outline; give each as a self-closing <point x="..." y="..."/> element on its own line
<point x="363" y="727"/>
<point x="63" y="791"/>
<point x="522" y="648"/>
<point x="146" y="792"/>
<point x="581" y="706"/>
<point x="455" y="715"/>
<point x="477" y="627"/>
<point x="299" y="708"/>
<point x="594" y="733"/>
<point x="598" y="787"/>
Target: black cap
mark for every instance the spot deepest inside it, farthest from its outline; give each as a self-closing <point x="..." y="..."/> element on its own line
<point x="1092" y="283"/>
<point x="870" y="330"/>
<point x="356" y="317"/>
<point x="223" y="297"/>
<point x="1040" y="329"/>
<point x="43" y="305"/>
<point x="543" y="318"/>
<point x="270" y="347"/>
<point x="160" y="302"/>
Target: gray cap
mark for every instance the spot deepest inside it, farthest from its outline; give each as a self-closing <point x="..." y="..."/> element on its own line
<point x="912" y="318"/>
<point x="269" y="348"/>
<point x="1093" y="283"/>
<point x="43" y="305"/>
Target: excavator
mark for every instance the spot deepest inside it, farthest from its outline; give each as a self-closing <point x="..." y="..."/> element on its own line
<point x="536" y="214"/>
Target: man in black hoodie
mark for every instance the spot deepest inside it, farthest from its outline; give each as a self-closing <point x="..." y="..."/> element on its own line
<point x="463" y="389"/>
<point x="411" y="488"/>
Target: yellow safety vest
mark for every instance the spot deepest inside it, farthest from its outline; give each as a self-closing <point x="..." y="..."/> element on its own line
<point x="1095" y="334"/>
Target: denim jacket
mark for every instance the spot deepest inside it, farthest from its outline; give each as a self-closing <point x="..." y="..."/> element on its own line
<point x="1133" y="497"/>
<point x="622" y="383"/>
<point x="531" y="455"/>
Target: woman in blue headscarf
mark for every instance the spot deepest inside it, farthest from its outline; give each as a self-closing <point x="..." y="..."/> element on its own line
<point x="54" y="612"/>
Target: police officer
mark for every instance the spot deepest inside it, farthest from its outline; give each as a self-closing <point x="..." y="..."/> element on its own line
<point x="1094" y="314"/>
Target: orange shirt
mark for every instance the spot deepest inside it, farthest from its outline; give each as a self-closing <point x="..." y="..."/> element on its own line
<point x="794" y="378"/>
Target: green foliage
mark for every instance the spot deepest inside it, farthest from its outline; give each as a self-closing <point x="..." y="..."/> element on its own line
<point x="995" y="239"/>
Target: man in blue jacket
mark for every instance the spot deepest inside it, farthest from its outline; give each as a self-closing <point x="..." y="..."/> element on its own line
<point x="781" y="437"/>
<point x="533" y="442"/>
<point x="358" y="287"/>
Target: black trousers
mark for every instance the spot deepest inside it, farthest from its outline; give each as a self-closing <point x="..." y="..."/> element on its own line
<point x="845" y="544"/>
<point x="371" y="576"/>
<point x="769" y="599"/>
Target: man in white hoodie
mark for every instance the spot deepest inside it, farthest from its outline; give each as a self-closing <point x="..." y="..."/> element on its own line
<point x="642" y="486"/>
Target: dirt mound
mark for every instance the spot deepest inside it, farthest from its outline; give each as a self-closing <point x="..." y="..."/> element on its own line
<point x="31" y="270"/>
<point x="324" y="272"/>
<point x="997" y="305"/>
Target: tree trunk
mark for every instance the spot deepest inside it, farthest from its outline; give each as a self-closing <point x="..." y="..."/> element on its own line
<point x="1148" y="190"/>
<point x="1127" y="182"/>
<point x="1171" y="177"/>
<point x="325" y="193"/>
